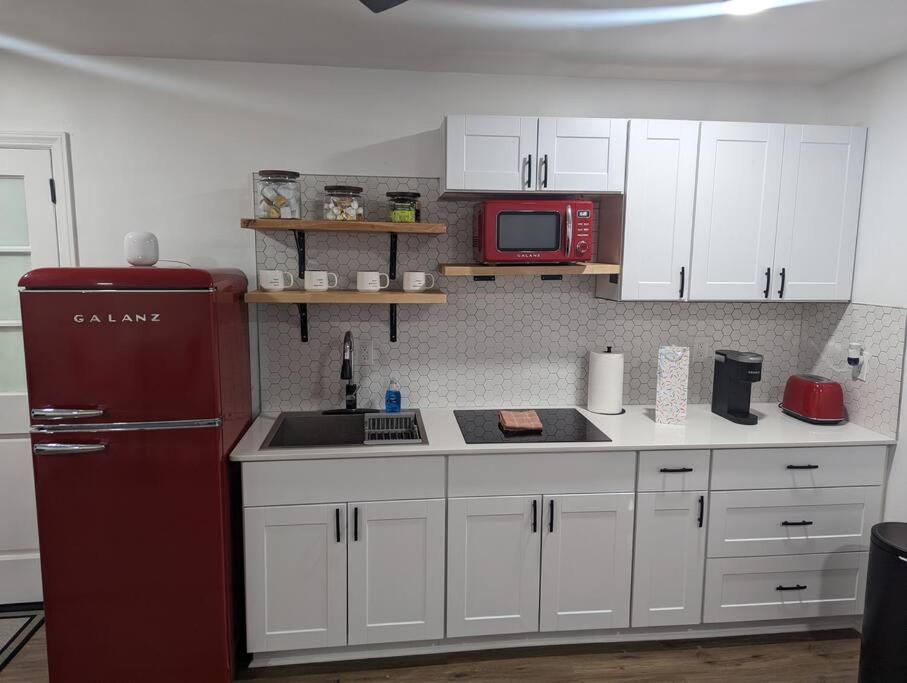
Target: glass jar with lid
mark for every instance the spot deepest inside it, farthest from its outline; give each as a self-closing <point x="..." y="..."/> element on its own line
<point x="277" y="194"/>
<point x="343" y="203"/>
<point x="404" y="207"/>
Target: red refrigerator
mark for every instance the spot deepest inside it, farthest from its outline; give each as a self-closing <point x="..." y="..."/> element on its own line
<point x="138" y="387"/>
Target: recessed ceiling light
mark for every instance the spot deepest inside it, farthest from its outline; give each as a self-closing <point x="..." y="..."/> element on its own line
<point x="746" y="7"/>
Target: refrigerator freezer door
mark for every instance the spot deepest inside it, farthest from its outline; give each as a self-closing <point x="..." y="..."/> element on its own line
<point x="134" y="554"/>
<point x="135" y="356"/>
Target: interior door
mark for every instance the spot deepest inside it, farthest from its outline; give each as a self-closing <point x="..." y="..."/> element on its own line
<point x="396" y="571"/>
<point x="581" y="154"/>
<point x="493" y="565"/>
<point x="295" y="576"/>
<point x="736" y="211"/>
<point x="490" y="152"/>
<point x="587" y="556"/>
<point x="658" y="223"/>
<point x="820" y="210"/>
<point x="28" y="239"/>
<point x="669" y="565"/>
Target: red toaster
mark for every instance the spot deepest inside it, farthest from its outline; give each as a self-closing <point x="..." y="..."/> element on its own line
<point x="814" y="399"/>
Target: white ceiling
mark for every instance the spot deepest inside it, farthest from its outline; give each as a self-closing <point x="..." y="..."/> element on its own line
<point x="812" y="42"/>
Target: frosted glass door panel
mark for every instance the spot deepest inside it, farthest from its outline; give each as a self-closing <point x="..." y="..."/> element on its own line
<point x="13" y="219"/>
<point x="12" y="360"/>
<point x="12" y="267"/>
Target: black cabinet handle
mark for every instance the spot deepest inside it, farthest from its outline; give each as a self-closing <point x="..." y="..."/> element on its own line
<point x="551" y="516"/>
<point x="701" y="511"/>
<point x="802" y="467"/>
<point x="683" y="277"/>
<point x="798" y="587"/>
<point x="675" y="470"/>
<point x="768" y="282"/>
<point x="337" y="522"/>
<point x="545" y="165"/>
<point x="803" y="523"/>
<point x="535" y="515"/>
<point x="783" y="277"/>
<point x="356" y="523"/>
<point x="529" y="173"/>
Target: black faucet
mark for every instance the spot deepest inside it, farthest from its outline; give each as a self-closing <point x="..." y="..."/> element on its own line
<point x="346" y="371"/>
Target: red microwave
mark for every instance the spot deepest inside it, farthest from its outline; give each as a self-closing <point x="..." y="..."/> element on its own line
<point x="533" y="231"/>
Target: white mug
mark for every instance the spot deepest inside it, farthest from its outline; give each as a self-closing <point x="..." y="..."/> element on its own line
<point x="416" y="281"/>
<point x="370" y="281"/>
<point x="275" y="280"/>
<point x="319" y="280"/>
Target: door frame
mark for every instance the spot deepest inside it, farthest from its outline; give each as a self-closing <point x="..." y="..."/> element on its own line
<point x="61" y="164"/>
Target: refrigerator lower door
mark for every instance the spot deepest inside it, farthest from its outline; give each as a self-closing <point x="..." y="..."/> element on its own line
<point x="134" y="529"/>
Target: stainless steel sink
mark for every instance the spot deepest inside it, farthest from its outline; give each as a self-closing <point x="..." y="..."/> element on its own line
<point x="315" y="429"/>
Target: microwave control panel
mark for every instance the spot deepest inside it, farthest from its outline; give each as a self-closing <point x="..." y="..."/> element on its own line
<point x="582" y="232"/>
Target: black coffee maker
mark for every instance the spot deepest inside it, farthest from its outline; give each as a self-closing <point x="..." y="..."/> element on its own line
<point x="735" y="373"/>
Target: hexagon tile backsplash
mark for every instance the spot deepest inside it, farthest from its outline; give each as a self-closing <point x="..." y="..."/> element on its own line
<point x="516" y="341"/>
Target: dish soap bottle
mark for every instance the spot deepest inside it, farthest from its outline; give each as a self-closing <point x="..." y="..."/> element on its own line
<point x="392" y="397"/>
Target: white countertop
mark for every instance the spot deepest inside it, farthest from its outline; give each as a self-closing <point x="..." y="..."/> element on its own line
<point x="635" y="430"/>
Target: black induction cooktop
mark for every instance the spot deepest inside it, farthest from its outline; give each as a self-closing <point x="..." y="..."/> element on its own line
<point x="558" y="425"/>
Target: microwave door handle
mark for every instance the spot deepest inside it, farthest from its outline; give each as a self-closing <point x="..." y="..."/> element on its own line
<point x="569" y="230"/>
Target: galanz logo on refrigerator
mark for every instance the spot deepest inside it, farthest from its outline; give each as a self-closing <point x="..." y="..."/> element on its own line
<point x="111" y="318"/>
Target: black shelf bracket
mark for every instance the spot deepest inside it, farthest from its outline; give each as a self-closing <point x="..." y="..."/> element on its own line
<point x="552" y="277"/>
<point x="393" y="322"/>
<point x="392" y="266"/>
<point x="483" y="278"/>
<point x="303" y="308"/>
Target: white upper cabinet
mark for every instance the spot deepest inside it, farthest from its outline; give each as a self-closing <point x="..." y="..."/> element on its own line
<point x="493" y="565"/>
<point x="396" y="571"/>
<point x="736" y="211"/>
<point x="581" y="155"/>
<point x="587" y="554"/>
<point x="658" y="213"/>
<point x="493" y="153"/>
<point x="821" y="183"/>
<point x="532" y="154"/>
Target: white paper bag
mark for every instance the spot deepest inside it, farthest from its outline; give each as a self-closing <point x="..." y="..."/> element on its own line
<point x="673" y="380"/>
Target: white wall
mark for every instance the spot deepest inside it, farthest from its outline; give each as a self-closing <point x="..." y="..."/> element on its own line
<point x="172" y="152"/>
<point x="877" y="98"/>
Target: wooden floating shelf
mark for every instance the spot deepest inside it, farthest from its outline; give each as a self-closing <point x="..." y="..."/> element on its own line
<point x="476" y="269"/>
<point x="377" y="227"/>
<point x="345" y="296"/>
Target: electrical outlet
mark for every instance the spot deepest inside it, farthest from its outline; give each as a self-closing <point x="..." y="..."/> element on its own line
<point x="366" y="352"/>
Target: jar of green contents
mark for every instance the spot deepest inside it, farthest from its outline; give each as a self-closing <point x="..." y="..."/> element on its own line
<point x="403" y="207"/>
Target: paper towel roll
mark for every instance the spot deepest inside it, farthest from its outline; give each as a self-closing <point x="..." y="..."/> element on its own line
<point x="606" y="382"/>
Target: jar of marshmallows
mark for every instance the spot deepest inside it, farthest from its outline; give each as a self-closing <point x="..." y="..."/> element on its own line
<point x="343" y="203"/>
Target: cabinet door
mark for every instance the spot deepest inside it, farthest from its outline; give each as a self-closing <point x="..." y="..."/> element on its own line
<point x="581" y="155"/>
<point x="490" y="152"/>
<point x="658" y="222"/>
<point x="493" y="565"/>
<point x="669" y="566"/>
<point x="586" y="561"/>
<point x="295" y="577"/>
<point x="736" y="211"/>
<point x="820" y="209"/>
<point x="396" y="571"/>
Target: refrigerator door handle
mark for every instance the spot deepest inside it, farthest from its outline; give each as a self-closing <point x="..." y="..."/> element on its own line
<point x="65" y="413"/>
<point x="126" y="426"/>
<point x="68" y="448"/>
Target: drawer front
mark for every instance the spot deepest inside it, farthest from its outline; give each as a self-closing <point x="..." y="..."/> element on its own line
<point x="786" y="587"/>
<point x="786" y="468"/>
<point x="514" y="474"/>
<point x="294" y="482"/>
<point x="792" y="521"/>
<point x="673" y="470"/>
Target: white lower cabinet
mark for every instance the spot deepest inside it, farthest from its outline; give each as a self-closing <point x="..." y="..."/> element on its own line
<point x="497" y="545"/>
<point x="300" y="558"/>
<point x="396" y="571"/>
<point x="670" y="558"/>
<point x="295" y="577"/>
<point x="587" y="557"/>
<point x="493" y="565"/>
<point x="784" y="587"/>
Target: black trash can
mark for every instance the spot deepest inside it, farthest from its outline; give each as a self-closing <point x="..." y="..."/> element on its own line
<point x="883" y="654"/>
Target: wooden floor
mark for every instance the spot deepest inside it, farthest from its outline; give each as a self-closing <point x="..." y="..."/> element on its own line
<point x="823" y="656"/>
